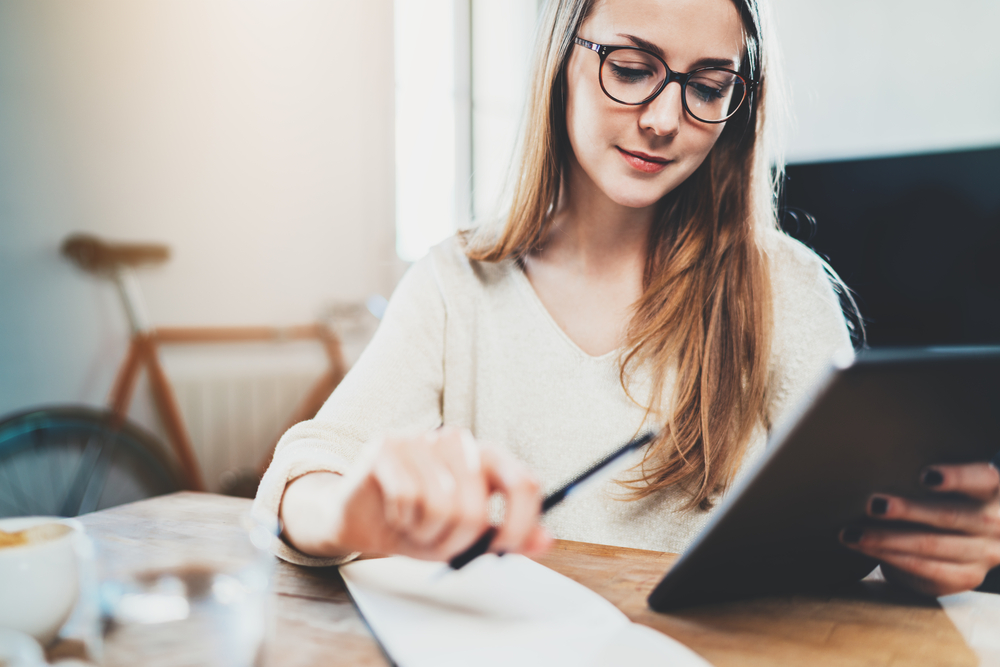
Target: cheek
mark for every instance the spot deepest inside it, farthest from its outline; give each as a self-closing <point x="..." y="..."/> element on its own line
<point x="698" y="143"/>
<point x="592" y="120"/>
<point x="583" y="124"/>
<point x="585" y="119"/>
<point x="702" y="139"/>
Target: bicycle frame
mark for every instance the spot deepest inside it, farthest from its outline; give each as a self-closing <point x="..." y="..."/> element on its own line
<point x="143" y="352"/>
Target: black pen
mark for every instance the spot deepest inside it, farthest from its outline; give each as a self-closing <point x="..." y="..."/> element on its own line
<point x="482" y="545"/>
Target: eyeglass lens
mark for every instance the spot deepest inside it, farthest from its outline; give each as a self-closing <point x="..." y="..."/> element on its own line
<point x="631" y="76"/>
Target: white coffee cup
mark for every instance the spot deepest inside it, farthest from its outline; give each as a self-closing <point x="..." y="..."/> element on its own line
<point x="19" y="650"/>
<point x="39" y="580"/>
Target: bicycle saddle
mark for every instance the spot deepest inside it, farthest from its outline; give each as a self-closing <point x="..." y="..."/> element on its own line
<point x="96" y="256"/>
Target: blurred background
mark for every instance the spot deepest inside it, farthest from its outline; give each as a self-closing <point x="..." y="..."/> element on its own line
<point x="297" y="155"/>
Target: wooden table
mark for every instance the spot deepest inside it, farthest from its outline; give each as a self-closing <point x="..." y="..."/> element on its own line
<point x="316" y="624"/>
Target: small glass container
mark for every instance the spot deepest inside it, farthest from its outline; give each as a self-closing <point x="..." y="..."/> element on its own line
<point x="194" y="603"/>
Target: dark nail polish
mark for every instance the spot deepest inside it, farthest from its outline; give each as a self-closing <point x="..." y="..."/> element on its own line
<point x="879" y="505"/>
<point x="932" y="478"/>
<point x="851" y="535"/>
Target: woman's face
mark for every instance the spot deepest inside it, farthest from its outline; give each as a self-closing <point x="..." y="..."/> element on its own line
<point x="635" y="155"/>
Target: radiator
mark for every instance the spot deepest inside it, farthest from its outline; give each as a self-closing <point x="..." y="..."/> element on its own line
<point x="234" y="422"/>
<point x="236" y="399"/>
<point x="235" y="402"/>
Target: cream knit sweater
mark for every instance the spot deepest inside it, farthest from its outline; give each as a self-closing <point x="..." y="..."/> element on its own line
<point x="470" y="344"/>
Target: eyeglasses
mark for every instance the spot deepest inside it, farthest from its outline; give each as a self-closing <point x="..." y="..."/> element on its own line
<point x="633" y="76"/>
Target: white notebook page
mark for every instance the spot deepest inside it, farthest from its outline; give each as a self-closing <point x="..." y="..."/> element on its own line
<point x="506" y="611"/>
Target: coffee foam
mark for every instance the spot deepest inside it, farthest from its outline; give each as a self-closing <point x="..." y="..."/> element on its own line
<point x="33" y="535"/>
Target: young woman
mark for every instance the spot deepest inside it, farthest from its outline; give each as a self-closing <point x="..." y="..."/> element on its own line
<point x="637" y="280"/>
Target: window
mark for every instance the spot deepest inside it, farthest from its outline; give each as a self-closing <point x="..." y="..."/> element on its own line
<point x="461" y="77"/>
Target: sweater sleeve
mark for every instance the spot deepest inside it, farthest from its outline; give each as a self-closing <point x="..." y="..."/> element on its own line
<point x="809" y="327"/>
<point x="395" y="385"/>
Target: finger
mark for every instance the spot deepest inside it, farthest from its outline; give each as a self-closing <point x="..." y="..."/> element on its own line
<point x="931" y="577"/>
<point x="364" y="507"/>
<point x="976" y="480"/>
<point x="436" y="503"/>
<point x="522" y="496"/>
<point x="539" y="541"/>
<point x="471" y="496"/>
<point x="952" y="515"/>
<point x="399" y="488"/>
<point x="470" y="450"/>
<point x="877" y="543"/>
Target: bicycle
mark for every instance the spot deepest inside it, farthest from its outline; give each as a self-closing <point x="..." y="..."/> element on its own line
<point x="70" y="460"/>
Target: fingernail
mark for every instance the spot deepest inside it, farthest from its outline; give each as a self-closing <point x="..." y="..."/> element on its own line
<point x="879" y="505"/>
<point x="851" y="535"/>
<point x="932" y="477"/>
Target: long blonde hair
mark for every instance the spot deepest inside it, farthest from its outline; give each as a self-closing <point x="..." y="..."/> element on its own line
<point x="705" y="311"/>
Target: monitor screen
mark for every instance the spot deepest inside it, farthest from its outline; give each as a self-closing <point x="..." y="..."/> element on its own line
<point x="917" y="238"/>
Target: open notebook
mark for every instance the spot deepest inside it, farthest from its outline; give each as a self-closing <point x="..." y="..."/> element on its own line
<point x="498" y="611"/>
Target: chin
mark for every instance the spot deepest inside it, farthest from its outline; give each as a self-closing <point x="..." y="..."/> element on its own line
<point x="635" y="202"/>
<point x="637" y="197"/>
<point x="642" y="193"/>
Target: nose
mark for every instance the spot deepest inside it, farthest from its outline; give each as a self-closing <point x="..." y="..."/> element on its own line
<point x="664" y="114"/>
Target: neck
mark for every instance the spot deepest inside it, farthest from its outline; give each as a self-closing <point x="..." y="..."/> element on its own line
<point x="597" y="234"/>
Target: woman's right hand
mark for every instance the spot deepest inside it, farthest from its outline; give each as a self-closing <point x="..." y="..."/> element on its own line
<point x="424" y="496"/>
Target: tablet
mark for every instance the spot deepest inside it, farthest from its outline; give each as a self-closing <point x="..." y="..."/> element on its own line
<point x="871" y="426"/>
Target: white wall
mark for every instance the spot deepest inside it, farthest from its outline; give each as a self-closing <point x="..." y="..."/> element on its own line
<point x="891" y="77"/>
<point x="254" y="137"/>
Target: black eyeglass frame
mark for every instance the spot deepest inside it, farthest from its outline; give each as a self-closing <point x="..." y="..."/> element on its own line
<point x="682" y="78"/>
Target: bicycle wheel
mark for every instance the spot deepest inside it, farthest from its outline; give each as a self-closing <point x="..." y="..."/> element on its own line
<point x="67" y="461"/>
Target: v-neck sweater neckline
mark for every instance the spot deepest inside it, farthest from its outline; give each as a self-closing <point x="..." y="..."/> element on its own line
<point x="528" y="290"/>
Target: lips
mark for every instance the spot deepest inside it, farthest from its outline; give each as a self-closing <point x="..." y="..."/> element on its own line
<point x="644" y="162"/>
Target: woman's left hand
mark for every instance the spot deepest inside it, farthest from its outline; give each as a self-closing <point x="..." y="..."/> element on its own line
<point x="961" y="542"/>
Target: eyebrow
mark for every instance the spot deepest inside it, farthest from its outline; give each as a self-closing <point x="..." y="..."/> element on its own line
<point x="704" y="62"/>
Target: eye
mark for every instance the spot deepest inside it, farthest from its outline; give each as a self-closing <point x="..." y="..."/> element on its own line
<point x="632" y="66"/>
<point x="712" y="86"/>
<point x="707" y="92"/>
<point x="630" y="72"/>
